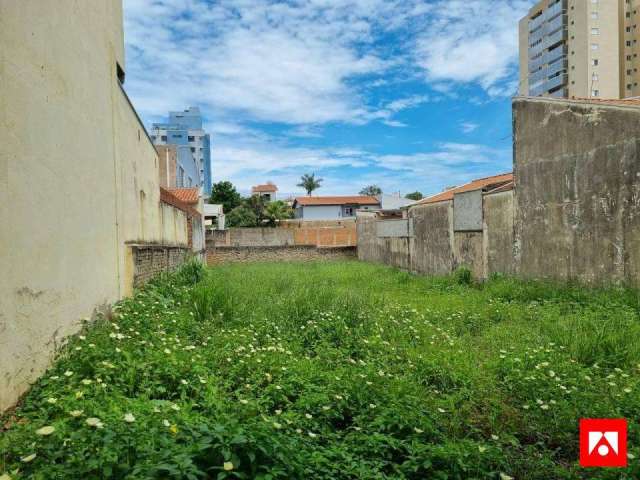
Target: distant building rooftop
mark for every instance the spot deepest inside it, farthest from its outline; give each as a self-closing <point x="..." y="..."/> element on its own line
<point x="266" y="188"/>
<point x="502" y="182"/>
<point x="346" y="200"/>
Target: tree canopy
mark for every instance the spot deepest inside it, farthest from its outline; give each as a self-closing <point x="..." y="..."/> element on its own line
<point x="225" y="193"/>
<point x="371" y="191"/>
<point x="414" y="196"/>
<point x="309" y="182"/>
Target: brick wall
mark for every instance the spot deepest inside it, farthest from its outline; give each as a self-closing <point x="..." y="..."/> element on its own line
<point x="150" y="260"/>
<point x="230" y="254"/>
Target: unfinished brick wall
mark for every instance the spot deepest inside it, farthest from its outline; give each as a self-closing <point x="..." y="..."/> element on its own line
<point x="151" y="260"/>
<point x="230" y="254"/>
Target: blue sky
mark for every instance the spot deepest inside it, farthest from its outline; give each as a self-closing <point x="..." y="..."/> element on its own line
<point x="407" y="94"/>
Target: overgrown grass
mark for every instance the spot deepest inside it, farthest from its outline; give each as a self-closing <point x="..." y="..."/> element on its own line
<point x="335" y="371"/>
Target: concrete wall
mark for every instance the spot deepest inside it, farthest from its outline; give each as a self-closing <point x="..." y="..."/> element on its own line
<point x="433" y="245"/>
<point x="79" y="178"/>
<point x="232" y="254"/>
<point x="319" y="212"/>
<point x="577" y="210"/>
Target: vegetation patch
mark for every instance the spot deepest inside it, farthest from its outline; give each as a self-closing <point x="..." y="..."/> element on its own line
<point x="334" y="371"/>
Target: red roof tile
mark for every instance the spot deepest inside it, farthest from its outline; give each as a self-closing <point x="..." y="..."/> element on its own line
<point x="487" y="183"/>
<point x="267" y="187"/>
<point x="346" y="200"/>
<point x="187" y="195"/>
<point x="169" y="197"/>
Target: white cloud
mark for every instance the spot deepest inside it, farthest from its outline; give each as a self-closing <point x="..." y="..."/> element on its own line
<point x="472" y="41"/>
<point x="469" y="127"/>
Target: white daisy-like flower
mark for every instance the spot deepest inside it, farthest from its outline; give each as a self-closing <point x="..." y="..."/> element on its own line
<point x="227" y="466"/>
<point x="418" y="430"/>
<point x="76" y="413"/>
<point x="129" y="418"/>
<point x="277" y="425"/>
<point x="243" y="401"/>
<point x="312" y="435"/>
<point x="28" y="458"/>
<point x="45" y="431"/>
<point x="93" y="422"/>
<point x="175" y="407"/>
<point x="52" y="400"/>
<point x="166" y="423"/>
<point x="308" y="416"/>
<point x="68" y="373"/>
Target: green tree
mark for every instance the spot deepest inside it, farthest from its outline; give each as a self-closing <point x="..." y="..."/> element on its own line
<point x="309" y="183"/>
<point x="241" y="216"/>
<point x="226" y="194"/>
<point x="371" y="191"/>
<point x="414" y="196"/>
<point x="276" y="211"/>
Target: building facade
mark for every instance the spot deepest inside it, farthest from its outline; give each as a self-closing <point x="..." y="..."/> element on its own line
<point x="576" y="48"/>
<point x="184" y="130"/>
<point x="332" y="208"/>
<point x="267" y="191"/>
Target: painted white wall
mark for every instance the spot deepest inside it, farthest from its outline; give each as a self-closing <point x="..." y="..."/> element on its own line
<point x="322" y="212"/>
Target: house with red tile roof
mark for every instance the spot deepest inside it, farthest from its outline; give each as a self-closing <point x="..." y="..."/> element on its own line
<point x="333" y="207"/>
<point x="493" y="184"/>
<point x="267" y="191"/>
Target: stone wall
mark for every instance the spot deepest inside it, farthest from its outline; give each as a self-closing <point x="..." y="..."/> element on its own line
<point x="232" y="254"/>
<point x="151" y="260"/>
<point x="577" y="212"/>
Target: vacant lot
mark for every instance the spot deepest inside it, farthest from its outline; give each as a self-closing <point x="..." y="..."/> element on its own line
<point x="334" y="371"/>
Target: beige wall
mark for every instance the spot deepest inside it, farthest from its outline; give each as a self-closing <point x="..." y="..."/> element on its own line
<point x="78" y="178"/>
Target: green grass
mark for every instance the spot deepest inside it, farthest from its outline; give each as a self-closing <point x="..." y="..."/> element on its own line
<point x="334" y="371"/>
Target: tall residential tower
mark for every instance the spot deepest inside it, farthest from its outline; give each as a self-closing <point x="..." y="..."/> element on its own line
<point x="193" y="144"/>
<point x="578" y="48"/>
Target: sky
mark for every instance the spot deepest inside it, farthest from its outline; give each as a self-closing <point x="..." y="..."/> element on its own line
<point x="411" y="95"/>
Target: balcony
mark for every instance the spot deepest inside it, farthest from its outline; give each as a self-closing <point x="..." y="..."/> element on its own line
<point x="538" y="76"/>
<point x="555" y="82"/>
<point x="555" y="38"/>
<point x="559" y="65"/>
<point x="555" y="10"/>
<point x="558" y="23"/>
<point x="554" y="54"/>
<point x="536" y="63"/>
<point x="536" y="22"/>
<point x="535" y="90"/>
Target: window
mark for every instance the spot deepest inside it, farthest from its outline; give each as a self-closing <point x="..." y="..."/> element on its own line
<point x="595" y="93"/>
<point x="163" y="138"/>
<point x="193" y="149"/>
<point x="180" y="177"/>
<point x="595" y="31"/>
<point x="594" y="77"/>
<point x="191" y="138"/>
<point x="594" y="15"/>
<point x="189" y="182"/>
<point x="595" y="46"/>
<point x="348" y="211"/>
<point x="153" y="138"/>
<point x="594" y="62"/>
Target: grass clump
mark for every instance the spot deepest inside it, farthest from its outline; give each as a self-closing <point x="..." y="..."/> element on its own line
<point x="334" y="371"/>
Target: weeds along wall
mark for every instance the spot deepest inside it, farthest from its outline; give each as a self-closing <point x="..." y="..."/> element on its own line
<point x="79" y="179"/>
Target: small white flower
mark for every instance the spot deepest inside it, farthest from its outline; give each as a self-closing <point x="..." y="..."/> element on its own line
<point x="76" y="413"/>
<point x="372" y="405"/>
<point x="129" y="418"/>
<point x="175" y="407"/>
<point x="52" y="400"/>
<point x="243" y="401"/>
<point x="312" y="435"/>
<point x="228" y="466"/>
<point x="504" y="476"/>
<point x="308" y="416"/>
<point x="68" y="373"/>
<point x="44" y="431"/>
<point x="86" y="381"/>
<point x="166" y="423"/>
<point x="93" y="422"/>
<point x="418" y="430"/>
<point x="28" y="458"/>
<point x="278" y="412"/>
<point x="495" y="438"/>
<point x="277" y="425"/>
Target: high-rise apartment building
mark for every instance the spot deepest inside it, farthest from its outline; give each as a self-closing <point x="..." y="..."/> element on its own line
<point x="578" y="48"/>
<point x="193" y="145"/>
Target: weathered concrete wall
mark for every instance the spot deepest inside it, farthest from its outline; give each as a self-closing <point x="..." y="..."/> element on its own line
<point x="433" y="245"/>
<point x="432" y="242"/>
<point x="577" y="209"/>
<point x="498" y="233"/>
<point x="79" y="178"/>
<point x="231" y="254"/>
<point x="373" y="248"/>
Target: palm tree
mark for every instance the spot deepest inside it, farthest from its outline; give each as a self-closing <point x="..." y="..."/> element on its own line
<point x="309" y="182"/>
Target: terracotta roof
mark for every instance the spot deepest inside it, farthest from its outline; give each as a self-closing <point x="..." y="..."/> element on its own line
<point x="487" y="183"/>
<point x="169" y="197"/>
<point x="347" y="200"/>
<point x="187" y="195"/>
<point x="267" y="187"/>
